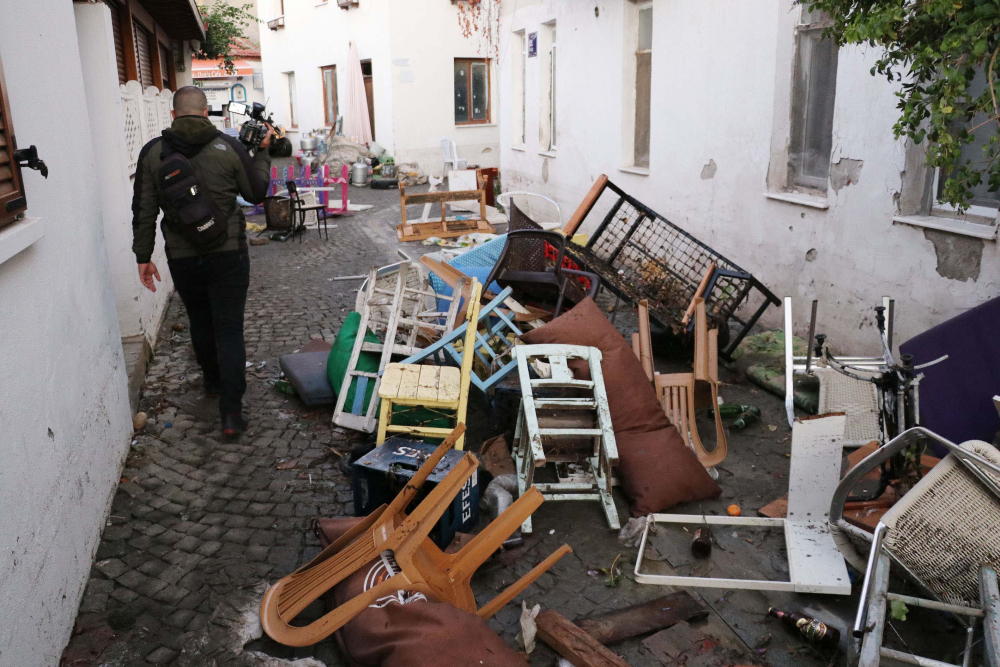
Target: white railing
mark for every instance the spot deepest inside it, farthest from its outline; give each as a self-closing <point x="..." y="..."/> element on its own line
<point x="147" y="113"/>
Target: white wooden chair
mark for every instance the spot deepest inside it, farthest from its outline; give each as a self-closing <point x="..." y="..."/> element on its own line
<point x="578" y="430"/>
<point x="450" y="154"/>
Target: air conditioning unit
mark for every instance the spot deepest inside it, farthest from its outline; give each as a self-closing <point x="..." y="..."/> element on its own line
<point x="274" y="24"/>
<point x="347" y="4"/>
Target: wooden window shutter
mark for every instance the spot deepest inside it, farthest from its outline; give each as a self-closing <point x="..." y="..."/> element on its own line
<point x="144" y="55"/>
<point x="12" y="201"/>
<point x="165" y="62"/>
<point x="116" y="27"/>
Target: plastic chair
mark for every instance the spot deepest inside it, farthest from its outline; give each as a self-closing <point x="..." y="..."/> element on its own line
<point x="300" y="208"/>
<point x="544" y="211"/>
<point x="522" y="265"/>
<point x="417" y="564"/>
<point x="450" y="154"/>
<point x="678" y="391"/>
<point x="942" y="534"/>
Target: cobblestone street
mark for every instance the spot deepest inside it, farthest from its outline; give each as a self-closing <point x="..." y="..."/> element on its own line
<point x="199" y="527"/>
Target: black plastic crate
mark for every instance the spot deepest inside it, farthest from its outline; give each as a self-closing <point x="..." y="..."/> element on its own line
<point x="381" y="474"/>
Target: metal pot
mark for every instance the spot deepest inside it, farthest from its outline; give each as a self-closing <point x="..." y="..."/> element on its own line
<point x="359" y="174"/>
<point x="309" y="143"/>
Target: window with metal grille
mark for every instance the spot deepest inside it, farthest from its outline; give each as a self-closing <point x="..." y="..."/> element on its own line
<point x="12" y="201"/>
<point x="143" y="55"/>
<point x="472" y="91"/>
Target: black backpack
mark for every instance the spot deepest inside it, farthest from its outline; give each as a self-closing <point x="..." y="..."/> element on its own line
<point x="197" y="217"/>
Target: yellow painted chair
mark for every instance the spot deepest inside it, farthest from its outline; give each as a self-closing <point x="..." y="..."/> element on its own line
<point x="437" y="388"/>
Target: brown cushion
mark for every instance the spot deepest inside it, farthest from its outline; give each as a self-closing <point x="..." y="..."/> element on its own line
<point x="659" y="471"/>
<point x="411" y="630"/>
<point x="631" y="397"/>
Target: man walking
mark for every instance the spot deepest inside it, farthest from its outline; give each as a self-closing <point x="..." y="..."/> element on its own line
<point x="211" y="281"/>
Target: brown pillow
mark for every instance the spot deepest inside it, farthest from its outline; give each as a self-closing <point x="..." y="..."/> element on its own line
<point x="659" y="471"/>
<point x="631" y="397"/>
<point x="411" y="630"/>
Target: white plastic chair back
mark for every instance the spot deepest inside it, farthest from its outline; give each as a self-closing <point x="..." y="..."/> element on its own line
<point x="449" y="151"/>
<point x="543" y="210"/>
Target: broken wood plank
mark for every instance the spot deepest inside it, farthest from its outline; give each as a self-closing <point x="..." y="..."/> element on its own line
<point x="584" y="208"/>
<point x="574" y="644"/>
<point x="639" y="619"/>
<point x="441" y="196"/>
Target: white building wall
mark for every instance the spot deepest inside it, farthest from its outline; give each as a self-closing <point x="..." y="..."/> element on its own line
<point x="139" y="310"/>
<point x="64" y="413"/>
<point x="721" y="74"/>
<point x="412" y="46"/>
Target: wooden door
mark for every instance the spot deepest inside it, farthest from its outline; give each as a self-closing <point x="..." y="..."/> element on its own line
<point x="366" y="71"/>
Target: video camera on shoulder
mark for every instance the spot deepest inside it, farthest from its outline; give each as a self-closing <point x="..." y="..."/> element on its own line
<point x="254" y="130"/>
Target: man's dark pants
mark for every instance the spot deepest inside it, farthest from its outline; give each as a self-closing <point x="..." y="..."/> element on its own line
<point x="213" y="288"/>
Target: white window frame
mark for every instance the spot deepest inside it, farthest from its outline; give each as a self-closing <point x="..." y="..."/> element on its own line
<point x="629" y="79"/>
<point x="811" y="183"/>
<point x="292" y="100"/>
<point x="520" y="136"/>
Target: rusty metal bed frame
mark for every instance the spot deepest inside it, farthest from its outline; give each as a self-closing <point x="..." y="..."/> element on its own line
<point x="639" y="254"/>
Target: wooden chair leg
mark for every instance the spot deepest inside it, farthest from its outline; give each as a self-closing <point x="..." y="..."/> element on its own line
<point x="462" y="565"/>
<point x="383" y="420"/>
<point x="498" y="603"/>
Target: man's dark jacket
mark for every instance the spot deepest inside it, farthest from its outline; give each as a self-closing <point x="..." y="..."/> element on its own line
<point x="225" y="169"/>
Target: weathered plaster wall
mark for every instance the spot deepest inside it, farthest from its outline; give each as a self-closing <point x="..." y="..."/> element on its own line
<point x="412" y="46"/>
<point x="720" y="69"/>
<point x="139" y="310"/>
<point x="64" y="414"/>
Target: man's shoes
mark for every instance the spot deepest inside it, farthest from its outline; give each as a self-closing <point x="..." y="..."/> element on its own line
<point x="234" y="423"/>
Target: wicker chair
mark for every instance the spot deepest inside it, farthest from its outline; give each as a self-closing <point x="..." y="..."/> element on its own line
<point x="943" y="534"/>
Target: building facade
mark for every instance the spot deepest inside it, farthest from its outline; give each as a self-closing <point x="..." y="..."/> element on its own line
<point x="741" y="124"/>
<point x="245" y="83"/>
<point x="69" y="287"/>
<point x="424" y="80"/>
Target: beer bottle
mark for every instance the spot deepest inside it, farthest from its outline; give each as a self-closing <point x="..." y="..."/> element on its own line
<point x="812" y="629"/>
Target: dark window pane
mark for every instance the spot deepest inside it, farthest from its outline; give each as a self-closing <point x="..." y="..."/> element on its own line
<point x="480" y="91"/>
<point x="972" y="153"/>
<point x="813" y="98"/>
<point x="461" y="92"/>
<point x="643" y="78"/>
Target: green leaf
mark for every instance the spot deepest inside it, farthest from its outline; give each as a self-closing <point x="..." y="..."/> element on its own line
<point x="898" y="610"/>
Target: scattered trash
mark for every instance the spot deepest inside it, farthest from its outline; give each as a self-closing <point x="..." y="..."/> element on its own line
<point x="746" y="419"/>
<point x="734" y="510"/>
<point x="898" y="610"/>
<point x="631" y="532"/>
<point x="259" y="240"/>
<point x="663" y="612"/>
<point x="261" y="365"/>
<point x="614" y="574"/>
<point x="358" y="277"/>
<point x="285" y="387"/>
<point x="812" y="629"/>
<point x="168" y="425"/>
<point x="287" y="465"/>
<point x="701" y="545"/>
<point x="526" y="637"/>
<point x="139" y="421"/>
<point x="249" y="364"/>
<point x="177" y="326"/>
<point x="728" y="410"/>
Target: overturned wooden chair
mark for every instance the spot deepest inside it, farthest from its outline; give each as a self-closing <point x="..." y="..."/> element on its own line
<point x="571" y="429"/>
<point x="942" y="534"/>
<point x="682" y="393"/>
<point x="393" y="305"/>
<point x="419" y="565"/>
